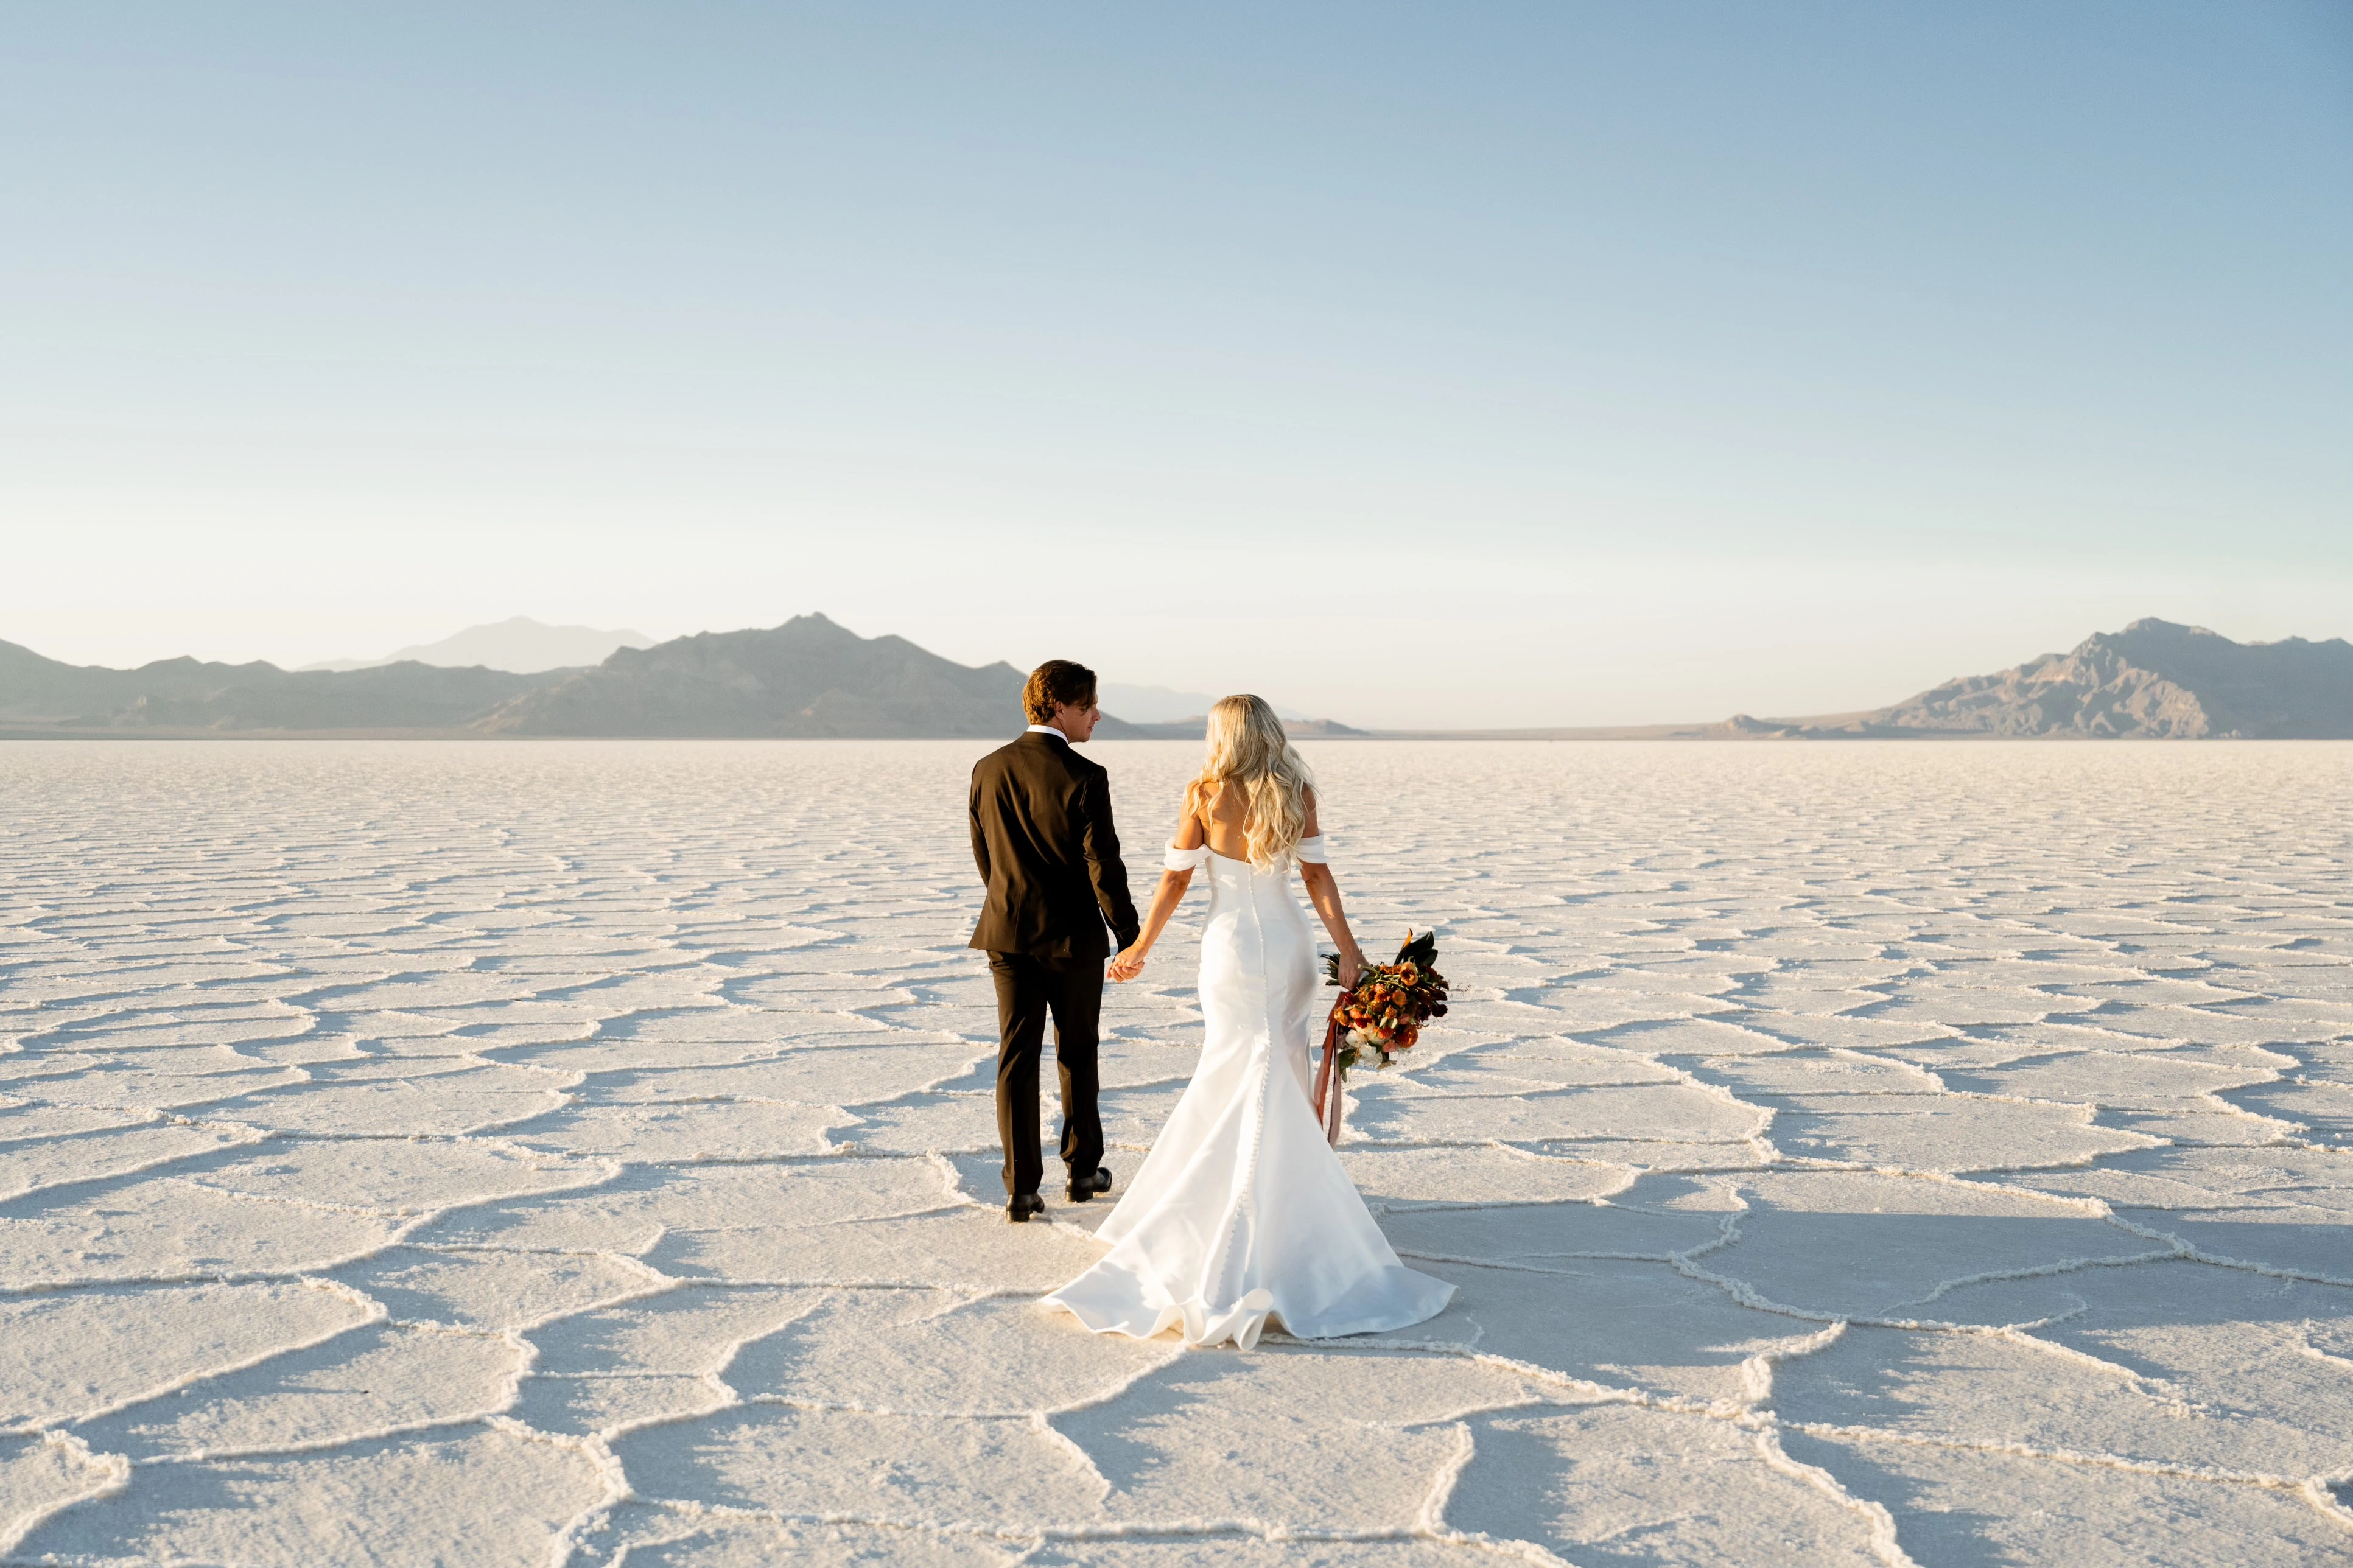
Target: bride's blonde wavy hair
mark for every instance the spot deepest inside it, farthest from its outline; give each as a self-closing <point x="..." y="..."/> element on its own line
<point x="1250" y="750"/>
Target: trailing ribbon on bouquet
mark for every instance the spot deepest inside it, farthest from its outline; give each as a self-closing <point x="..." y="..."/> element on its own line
<point x="1328" y="1082"/>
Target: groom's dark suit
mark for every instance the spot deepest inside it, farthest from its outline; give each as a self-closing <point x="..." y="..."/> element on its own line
<point x="1041" y="833"/>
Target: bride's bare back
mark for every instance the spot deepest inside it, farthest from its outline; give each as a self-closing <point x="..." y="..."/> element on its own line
<point x="1214" y="815"/>
<point x="1219" y="816"/>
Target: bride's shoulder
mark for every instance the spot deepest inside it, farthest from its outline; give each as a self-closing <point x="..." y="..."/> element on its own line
<point x="1192" y="828"/>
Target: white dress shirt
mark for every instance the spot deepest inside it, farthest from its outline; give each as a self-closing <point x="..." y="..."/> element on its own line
<point x="1048" y="730"/>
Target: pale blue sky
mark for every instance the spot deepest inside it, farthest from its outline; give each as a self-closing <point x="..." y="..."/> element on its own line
<point x="1502" y="363"/>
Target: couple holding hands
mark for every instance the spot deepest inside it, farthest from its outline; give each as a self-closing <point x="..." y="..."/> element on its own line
<point x="1241" y="1212"/>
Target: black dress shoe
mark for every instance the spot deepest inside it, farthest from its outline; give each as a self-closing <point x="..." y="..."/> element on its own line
<point x="1021" y="1205"/>
<point x="1085" y="1187"/>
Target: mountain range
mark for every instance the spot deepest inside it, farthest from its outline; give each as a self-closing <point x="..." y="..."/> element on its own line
<point x="806" y="677"/>
<point x="42" y="696"/>
<point x="528" y="646"/>
<point x="2153" y="680"/>
<point x="810" y="678"/>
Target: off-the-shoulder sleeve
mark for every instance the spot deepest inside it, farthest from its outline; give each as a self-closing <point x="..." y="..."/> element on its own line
<point x="1186" y="860"/>
<point x="1311" y="851"/>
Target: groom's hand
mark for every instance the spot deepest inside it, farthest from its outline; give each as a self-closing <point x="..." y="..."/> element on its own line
<point x="1128" y="965"/>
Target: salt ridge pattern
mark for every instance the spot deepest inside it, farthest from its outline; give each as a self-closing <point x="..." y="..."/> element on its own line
<point x="555" y="1152"/>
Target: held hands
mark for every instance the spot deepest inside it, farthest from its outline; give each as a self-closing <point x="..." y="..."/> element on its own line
<point x="1128" y="964"/>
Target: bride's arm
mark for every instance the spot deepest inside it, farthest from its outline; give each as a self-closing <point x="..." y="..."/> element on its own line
<point x="1323" y="892"/>
<point x="1164" y="898"/>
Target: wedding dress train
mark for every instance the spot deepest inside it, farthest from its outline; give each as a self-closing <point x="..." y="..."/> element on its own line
<point x="1241" y="1212"/>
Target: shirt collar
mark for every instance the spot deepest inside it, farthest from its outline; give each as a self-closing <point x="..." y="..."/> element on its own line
<point x="1048" y="730"/>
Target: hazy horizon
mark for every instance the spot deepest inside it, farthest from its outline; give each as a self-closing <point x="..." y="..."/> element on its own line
<point x="1138" y="702"/>
<point x="1536" y="365"/>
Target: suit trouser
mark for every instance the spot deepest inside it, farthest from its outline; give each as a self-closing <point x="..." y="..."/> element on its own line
<point x="1028" y="989"/>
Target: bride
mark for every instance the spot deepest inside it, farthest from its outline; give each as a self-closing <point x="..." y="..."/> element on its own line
<point x="1242" y="1211"/>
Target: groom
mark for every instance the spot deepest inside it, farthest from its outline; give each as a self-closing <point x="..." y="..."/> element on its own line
<point x="1041" y="833"/>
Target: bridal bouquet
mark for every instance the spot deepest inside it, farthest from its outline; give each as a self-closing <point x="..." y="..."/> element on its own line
<point x="1383" y="1013"/>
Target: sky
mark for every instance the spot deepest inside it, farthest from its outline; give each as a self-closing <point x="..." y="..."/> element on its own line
<point x="1460" y="366"/>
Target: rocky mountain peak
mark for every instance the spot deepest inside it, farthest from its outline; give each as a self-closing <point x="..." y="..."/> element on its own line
<point x="2155" y="679"/>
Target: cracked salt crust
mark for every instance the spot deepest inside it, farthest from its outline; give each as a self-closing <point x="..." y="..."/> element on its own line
<point x="584" y="1153"/>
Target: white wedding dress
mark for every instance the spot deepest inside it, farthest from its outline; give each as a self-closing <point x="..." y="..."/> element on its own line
<point x="1241" y="1212"/>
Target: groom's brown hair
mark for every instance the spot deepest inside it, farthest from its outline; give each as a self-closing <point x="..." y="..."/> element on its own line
<point x="1057" y="681"/>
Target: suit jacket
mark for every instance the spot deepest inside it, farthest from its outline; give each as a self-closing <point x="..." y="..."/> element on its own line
<point x="1043" y="836"/>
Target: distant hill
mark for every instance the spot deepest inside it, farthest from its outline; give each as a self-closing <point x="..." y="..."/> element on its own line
<point x="519" y="645"/>
<point x="184" y="694"/>
<point x="1164" y="705"/>
<point x="807" y="678"/>
<point x="2153" y="680"/>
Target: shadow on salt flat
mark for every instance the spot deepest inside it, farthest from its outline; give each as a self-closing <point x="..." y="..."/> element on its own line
<point x="400" y="1099"/>
<point x="1394" y="1180"/>
<point x="1653" y="1217"/>
<point x="977" y="1474"/>
<point x="1962" y="1509"/>
<point x="650" y="1359"/>
<point x="1631" y="1487"/>
<point x="32" y="1164"/>
<point x="25" y="1125"/>
<point x="416" y="1502"/>
<point x="392" y="1175"/>
<point x="1246" y="1552"/>
<point x="1675" y="1111"/>
<point x="371" y="1379"/>
<point x="2323" y="1110"/>
<point x="1620" y="1324"/>
<point x="1554" y="1060"/>
<point x="836" y="1074"/>
<point x="939" y="1350"/>
<point x="1255" y="1436"/>
<point x="1944" y="1132"/>
<point x="654" y="1538"/>
<point x="2162" y="1363"/>
<point x="961" y="1122"/>
<point x="2216" y="1179"/>
<point x="494" y="1290"/>
<point x="655" y="1133"/>
<point x="131" y="1085"/>
<point x="75" y="1360"/>
<point x="38" y="1476"/>
<point x="637" y="1208"/>
<point x="135" y="1228"/>
<point x="2305" y="1241"/>
<point x="1858" y="1245"/>
<point x="962" y="1248"/>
